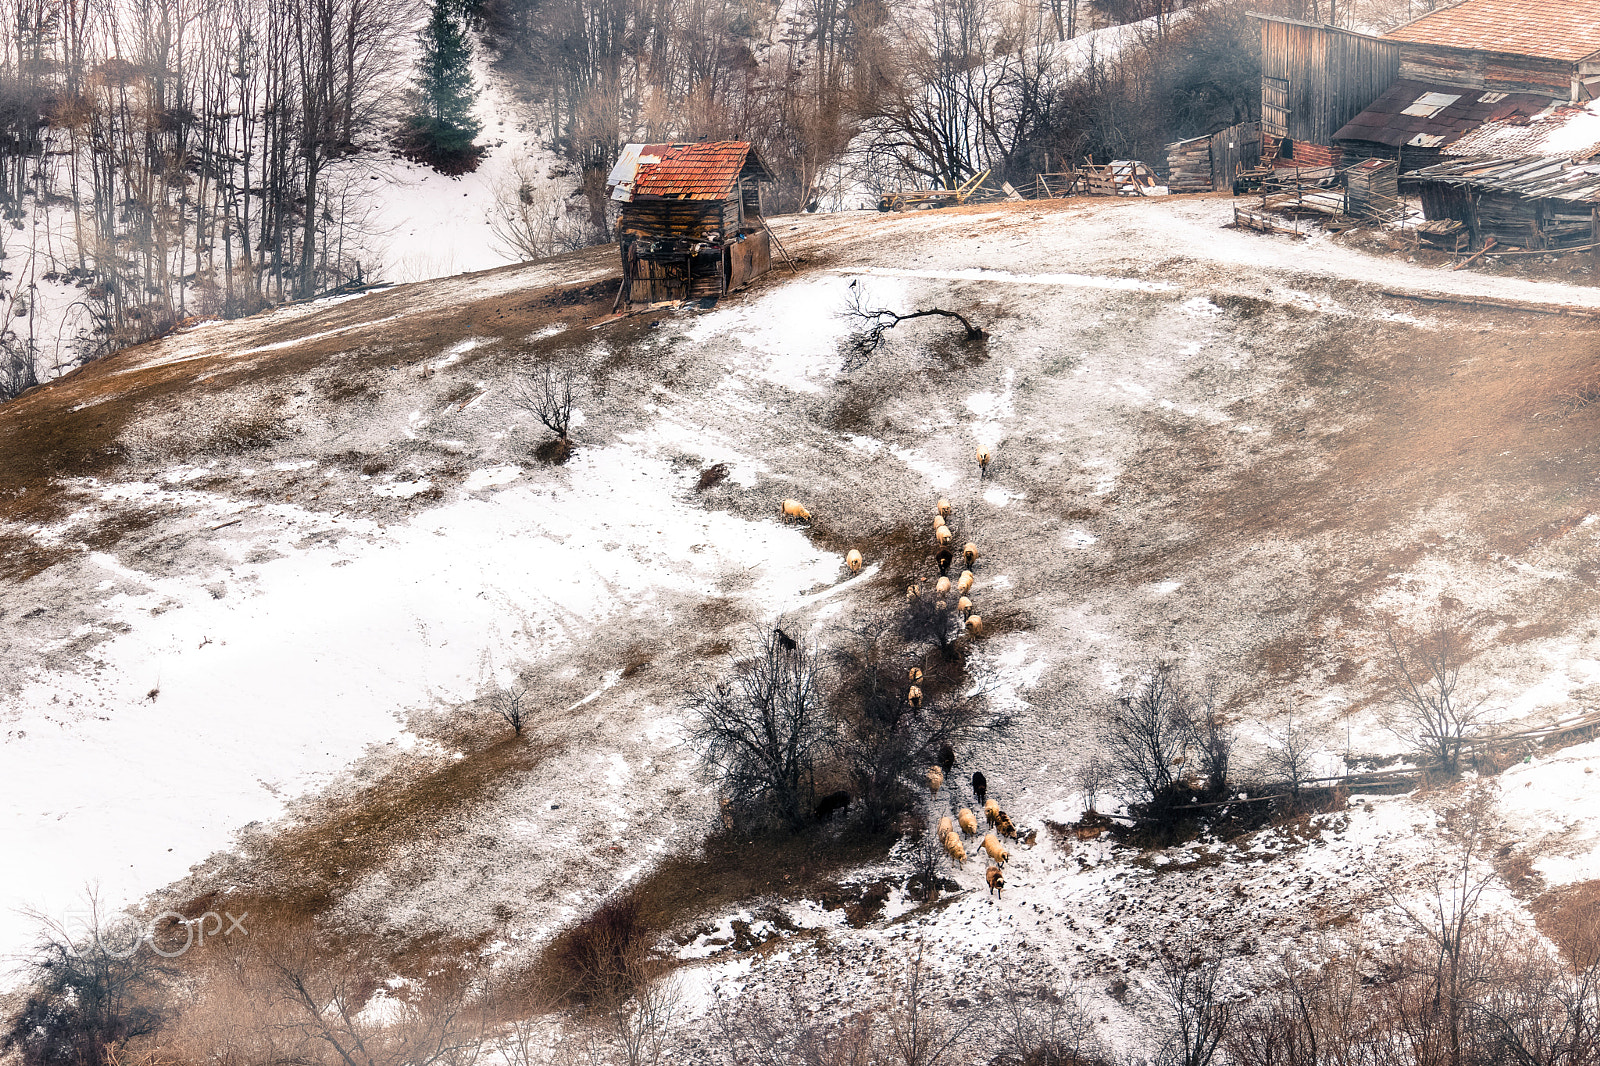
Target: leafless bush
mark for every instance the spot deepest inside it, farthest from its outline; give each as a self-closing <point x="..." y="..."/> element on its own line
<point x="1288" y="754"/>
<point x="1429" y="710"/>
<point x="509" y="705"/>
<point x="1038" y="1026"/>
<point x="90" y="994"/>
<point x="930" y="620"/>
<point x="1196" y="1015"/>
<point x="1092" y="779"/>
<point x="531" y="219"/>
<point x="921" y="1032"/>
<point x="781" y="1030"/>
<point x="548" y="394"/>
<point x="19" y="366"/>
<point x="1213" y="736"/>
<point x="762" y="729"/>
<point x="885" y="741"/>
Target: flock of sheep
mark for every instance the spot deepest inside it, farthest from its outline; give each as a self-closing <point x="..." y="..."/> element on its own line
<point x="996" y="818"/>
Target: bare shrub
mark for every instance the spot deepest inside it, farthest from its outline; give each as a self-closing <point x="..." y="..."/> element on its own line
<point x="886" y="742"/>
<point x="1092" y="779"/>
<point x="510" y="706"/>
<point x="762" y="729"/>
<point x="549" y="395"/>
<point x="1196" y="1016"/>
<point x="1288" y="755"/>
<point x="597" y="961"/>
<point x="90" y="994"/>
<point x="531" y="219"/>
<point x="782" y="1029"/>
<point x="921" y="1031"/>
<point x="1037" y="1025"/>
<point x="1213" y="736"/>
<point x="1429" y="711"/>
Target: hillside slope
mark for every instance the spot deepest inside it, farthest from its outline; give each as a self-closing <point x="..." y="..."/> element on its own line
<point x="261" y="577"/>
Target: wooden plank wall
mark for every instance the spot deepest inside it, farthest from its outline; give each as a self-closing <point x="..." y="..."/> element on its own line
<point x="1489" y="71"/>
<point x="677" y="218"/>
<point x="1233" y="148"/>
<point x="1331" y="76"/>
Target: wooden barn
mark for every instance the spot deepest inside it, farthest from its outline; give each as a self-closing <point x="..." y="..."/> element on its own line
<point x="1213" y="162"/>
<point x="690" y="223"/>
<point x="1316" y="78"/>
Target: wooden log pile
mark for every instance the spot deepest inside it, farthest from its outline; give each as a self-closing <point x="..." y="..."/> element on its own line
<point x="1189" y="165"/>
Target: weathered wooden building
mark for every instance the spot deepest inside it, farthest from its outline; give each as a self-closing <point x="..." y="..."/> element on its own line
<point x="690" y="223"/>
<point x="1212" y="162"/>
<point x="1533" y="202"/>
<point x="1414" y="123"/>
<point x="1547" y="48"/>
<point x="1316" y="78"/>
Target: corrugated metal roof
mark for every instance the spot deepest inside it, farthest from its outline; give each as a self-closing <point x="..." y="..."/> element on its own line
<point x="1553" y="29"/>
<point x="1572" y="132"/>
<point x="1396" y="119"/>
<point x="1536" y="177"/>
<point x="707" y="170"/>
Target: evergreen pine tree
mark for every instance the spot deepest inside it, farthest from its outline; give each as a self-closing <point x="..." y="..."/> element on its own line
<point x="441" y="127"/>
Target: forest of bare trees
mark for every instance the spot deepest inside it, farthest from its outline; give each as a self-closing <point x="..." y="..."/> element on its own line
<point x="165" y="158"/>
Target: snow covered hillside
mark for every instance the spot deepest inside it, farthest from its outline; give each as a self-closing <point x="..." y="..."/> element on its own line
<point x="261" y="578"/>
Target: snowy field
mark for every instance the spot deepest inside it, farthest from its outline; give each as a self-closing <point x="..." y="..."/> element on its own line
<point x="1213" y="446"/>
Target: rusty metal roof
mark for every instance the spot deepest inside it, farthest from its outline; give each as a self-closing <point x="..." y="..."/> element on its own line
<point x="1430" y="116"/>
<point x="708" y="170"/>
<point x="1552" y="29"/>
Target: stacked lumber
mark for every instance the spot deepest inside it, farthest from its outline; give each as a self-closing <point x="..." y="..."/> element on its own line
<point x="1189" y="165"/>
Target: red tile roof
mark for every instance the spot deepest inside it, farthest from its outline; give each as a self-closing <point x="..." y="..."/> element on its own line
<point x="705" y="171"/>
<point x="1553" y="29"/>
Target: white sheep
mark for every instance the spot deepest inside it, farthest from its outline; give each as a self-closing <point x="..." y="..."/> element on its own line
<point x="853" y="561"/>
<point x="970" y="554"/>
<point x="983" y="460"/>
<point x="944" y="536"/>
<point x="975" y="625"/>
<point x="935" y="779"/>
<point x="943" y="507"/>
<point x="941" y="586"/>
<point x="964" y="605"/>
<point x="794" y="509"/>
<point x="969" y="823"/>
<point x="964" y="584"/>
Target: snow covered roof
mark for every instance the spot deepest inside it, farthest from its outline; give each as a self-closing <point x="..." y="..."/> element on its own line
<point x="1424" y="115"/>
<point x="1550" y="29"/>
<point x="707" y="170"/>
<point x="1571" y="132"/>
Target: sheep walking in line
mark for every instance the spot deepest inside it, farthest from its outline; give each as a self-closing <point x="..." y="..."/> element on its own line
<point x="942" y="586"/>
<point x="944" y="536"/>
<point x="964" y="583"/>
<point x="968" y="823"/>
<point x="991" y="811"/>
<point x="975" y="625"/>
<point x="996" y="879"/>
<point x="916" y="675"/>
<point x="938" y="521"/>
<point x="944" y="559"/>
<point x="952" y="844"/>
<point x="914" y="696"/>
<point x="964" y="605"/>
<point x="996" y="852"/>
<point x="853" y="561"/>
<point x="935" y="779"/>
<point x="946" y="827"/>
<point x="1003" y="823"/>
<point x="969" y="553"/>
<point x="983" y="461"/>
<point x="947" y="757"/>
<point x="980" y="785"/>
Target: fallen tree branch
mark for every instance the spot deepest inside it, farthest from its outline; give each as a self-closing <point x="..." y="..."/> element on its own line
<point x="879" y="320"/>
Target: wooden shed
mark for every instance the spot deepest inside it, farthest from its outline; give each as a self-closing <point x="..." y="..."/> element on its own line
<point x="690" y="223"/>
<point x="1533" y="202"/>
<point x="1211" y="163"/>
<point x="1547" y="48"/>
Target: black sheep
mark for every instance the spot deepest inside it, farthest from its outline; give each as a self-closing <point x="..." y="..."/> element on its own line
<point x="832" y="804"/>
<point x="980" y="785"/>
<point x="947" y="757"/>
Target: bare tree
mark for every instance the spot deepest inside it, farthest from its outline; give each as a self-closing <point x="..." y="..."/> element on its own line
<point x="1146" y="733"/>
<point x="762" y="729"/>
<point x="508" y="703"/>
<point x="1196" y="1016"/>
<point x="1429" y="710"/>
<point x="549" y="395"/>
<point x="920" y="1032"/>
<point x="1289" y="752"/>
<point x="531" y="219"/>
<point x="1092" y="778"/>
<point x="1213" y="736"/>
<point x="1038" y="1025"/>
<point x="633" y="1030"/>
